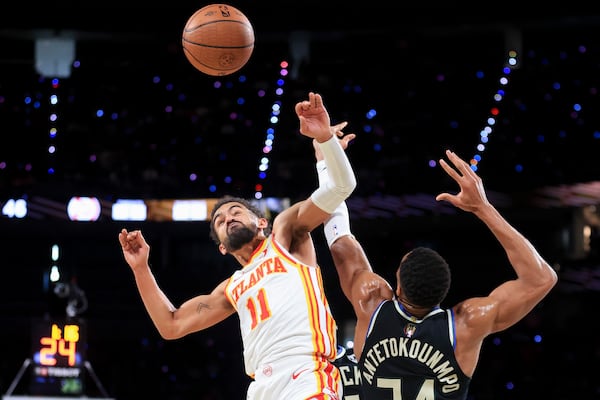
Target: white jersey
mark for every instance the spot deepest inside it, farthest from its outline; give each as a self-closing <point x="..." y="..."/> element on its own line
<point x="282" y="310"/>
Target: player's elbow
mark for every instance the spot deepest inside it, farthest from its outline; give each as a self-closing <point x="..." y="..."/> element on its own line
<point x="344" y="191"/>
<point x="551" y="277"/>
<point x="169" y="334"/>
<point x="328" y="197"/>
<point x="546" y="280"/>
<point x="170" y="331"/>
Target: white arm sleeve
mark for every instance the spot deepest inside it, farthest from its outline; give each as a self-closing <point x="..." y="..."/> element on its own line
<point x="338" y="224"/>
<point x="341" y="181"/>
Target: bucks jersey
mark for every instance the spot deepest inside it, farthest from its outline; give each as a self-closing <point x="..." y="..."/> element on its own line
<point x="346" y="362"/>
<point x="409" y="358"/>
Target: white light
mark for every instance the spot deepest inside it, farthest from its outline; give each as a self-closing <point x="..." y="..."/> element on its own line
<point x="83" y="209"/>
<point x="15" y="208"/>
<point x="55" y="253"/>
<point x="129" y="210"/>
<point x="190" y="210"/>
<point x="54" y="56"/>
<point x="54" y="274"/>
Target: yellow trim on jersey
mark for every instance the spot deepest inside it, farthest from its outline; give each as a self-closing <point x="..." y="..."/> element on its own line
<point x="257" y="251"/>
<point x="309" y="282"/>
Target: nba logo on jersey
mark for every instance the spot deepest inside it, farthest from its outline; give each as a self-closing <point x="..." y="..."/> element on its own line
<point x="409" y="330"/>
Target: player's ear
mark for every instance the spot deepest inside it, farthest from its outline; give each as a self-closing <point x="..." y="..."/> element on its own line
<point x="222" y="249"/>
<point x="398" y="289"/>
<point x="263" y="223"/>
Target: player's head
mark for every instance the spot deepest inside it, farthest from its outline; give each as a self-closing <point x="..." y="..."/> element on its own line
<point x="235" y="222"/>
<point x="423" y="277"/>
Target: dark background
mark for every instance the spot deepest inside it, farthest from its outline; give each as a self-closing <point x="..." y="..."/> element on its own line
<point x="430" y="71"/>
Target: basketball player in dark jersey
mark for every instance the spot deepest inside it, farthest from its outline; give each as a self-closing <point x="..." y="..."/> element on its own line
<point x="408" y="347"/>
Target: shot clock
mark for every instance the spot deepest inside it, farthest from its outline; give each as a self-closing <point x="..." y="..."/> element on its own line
<point x="58" y="357"/>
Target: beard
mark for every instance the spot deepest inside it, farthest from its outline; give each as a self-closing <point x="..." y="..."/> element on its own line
<point x="239" y="237"/>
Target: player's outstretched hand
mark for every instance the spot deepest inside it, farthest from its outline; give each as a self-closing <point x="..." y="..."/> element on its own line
<point x="471" y="196"/>
<point x="314" y="118"/>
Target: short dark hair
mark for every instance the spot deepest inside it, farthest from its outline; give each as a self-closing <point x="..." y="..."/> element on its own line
<point x="251" y="206"/>
<point x="424" y="277"/>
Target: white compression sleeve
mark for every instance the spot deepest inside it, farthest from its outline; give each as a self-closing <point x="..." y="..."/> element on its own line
<point x="322" y="173"/>
<point x="341" y="177"/>
<point x="338" y="224"/>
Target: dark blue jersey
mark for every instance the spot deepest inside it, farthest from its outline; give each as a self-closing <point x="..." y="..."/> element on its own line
<point x="409" y="358"/>
<point x="350" y="373"/>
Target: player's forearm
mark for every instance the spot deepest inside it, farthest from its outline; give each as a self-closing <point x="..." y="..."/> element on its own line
<point x="342" y="181"/>
<point x="529" y="265"/>
<point x="159" y="307"/>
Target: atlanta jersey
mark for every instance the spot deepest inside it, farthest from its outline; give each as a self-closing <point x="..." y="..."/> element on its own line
<point x="284" y="317"/>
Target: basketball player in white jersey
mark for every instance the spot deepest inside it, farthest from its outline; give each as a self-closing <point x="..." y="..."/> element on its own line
<point x="288" y="332"/>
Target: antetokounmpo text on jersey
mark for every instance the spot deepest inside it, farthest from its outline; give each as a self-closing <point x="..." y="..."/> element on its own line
<point x="413" y="349"/>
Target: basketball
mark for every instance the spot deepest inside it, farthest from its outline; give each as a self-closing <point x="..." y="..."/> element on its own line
<point x="218" y="39"/>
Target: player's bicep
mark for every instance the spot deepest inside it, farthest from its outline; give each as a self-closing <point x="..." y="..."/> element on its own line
<point x="203" y="311"/>
<point x="304" y="216"/>
<point x="514" y="301"/>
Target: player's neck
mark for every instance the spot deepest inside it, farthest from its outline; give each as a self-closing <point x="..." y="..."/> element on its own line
<point x="245" y="254"/>
<point x="414" y="310"/>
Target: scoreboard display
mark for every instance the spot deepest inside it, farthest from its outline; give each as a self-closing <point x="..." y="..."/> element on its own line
<point x="58" y="357"/>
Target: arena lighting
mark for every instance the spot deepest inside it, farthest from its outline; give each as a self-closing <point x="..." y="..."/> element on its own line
<point x="54" y="56"/>
<point x="129" y="210"/>
<point x="190" y="210"/>
<point x="15" y="208"/>
<point x="92" y="209"/>
<point x="83" y="209"/>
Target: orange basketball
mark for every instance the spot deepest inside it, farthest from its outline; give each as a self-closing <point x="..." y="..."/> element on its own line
<point x="218" y="39"/>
